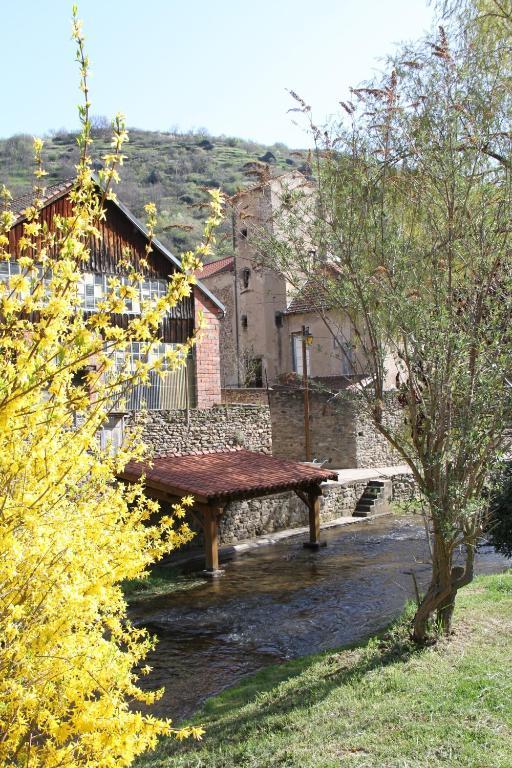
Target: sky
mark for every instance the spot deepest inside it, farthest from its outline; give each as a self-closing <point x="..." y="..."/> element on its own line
<point x="225" y="66"/>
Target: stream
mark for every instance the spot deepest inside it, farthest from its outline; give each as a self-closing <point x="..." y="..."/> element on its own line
<point x="280" y="602"/>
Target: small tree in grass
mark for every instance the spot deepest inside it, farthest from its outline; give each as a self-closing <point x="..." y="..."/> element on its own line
<point x="69" y="532"/>
<point x="413" y="215"/>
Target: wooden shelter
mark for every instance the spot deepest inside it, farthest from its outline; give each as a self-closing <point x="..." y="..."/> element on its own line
<point x="215" y="479"/>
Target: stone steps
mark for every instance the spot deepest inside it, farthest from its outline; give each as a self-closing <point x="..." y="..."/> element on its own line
<point x="375" y="499"/>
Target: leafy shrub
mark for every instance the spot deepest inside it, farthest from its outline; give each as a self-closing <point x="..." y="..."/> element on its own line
<point x="499" y="528"/>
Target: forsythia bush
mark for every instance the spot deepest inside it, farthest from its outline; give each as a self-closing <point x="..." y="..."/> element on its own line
<point x="69" y="532"/>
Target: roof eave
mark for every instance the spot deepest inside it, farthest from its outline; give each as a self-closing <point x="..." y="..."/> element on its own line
<point x="307" y="311"/>
<point x="48" y="201"/>
<point x="165" y="251"/>
<point x="142" y="229"/>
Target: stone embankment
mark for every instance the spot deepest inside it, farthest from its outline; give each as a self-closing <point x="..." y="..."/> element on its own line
<point x="255" y="517"/>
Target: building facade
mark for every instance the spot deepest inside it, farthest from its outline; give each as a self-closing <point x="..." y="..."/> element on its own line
<point x="266" y="316"/>
<point x="123" y="237"/>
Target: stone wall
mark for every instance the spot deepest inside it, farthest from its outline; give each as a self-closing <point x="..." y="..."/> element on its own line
<point x="209" y="429"/>
<point x="332" y="429"/>
<point x="250" y="395"/>
<point x="404" y="487"/>
<point x="372" y="449"/>
<point x="246" y="519"/>
<point x="341" y="431"/>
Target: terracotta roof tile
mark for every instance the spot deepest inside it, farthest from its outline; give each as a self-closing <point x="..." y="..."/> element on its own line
<point x="215" y="267"/>
<point x="309" y="299"/>
<point x="314" y="294"/>
<point x="225" y="475"/>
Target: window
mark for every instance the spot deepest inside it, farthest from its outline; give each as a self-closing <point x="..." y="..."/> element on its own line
<point x="279" y="319"/>
<point x="243" y="233"/>
<point x="9" y="269"/>
<point x="246" y="276"/>
<point x="345" y="352"/>
<point x="138" y="352"/>
<point x="94" y="288"/>
<point x="172" y="390"/>
<point x="153" y="289"/>
<point x="244" y="321"/>
<point x="297" y="359"/>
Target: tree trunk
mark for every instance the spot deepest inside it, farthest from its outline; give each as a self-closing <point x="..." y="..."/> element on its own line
<point x="445" y="582"/>
<point x="445" y="610"/>
<point x="440" y="594"/>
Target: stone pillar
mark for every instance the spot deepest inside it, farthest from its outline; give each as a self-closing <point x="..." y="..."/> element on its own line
<point x="207" y="352"/>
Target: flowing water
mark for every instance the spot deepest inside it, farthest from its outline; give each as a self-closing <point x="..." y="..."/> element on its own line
<point x="282" y="601"/>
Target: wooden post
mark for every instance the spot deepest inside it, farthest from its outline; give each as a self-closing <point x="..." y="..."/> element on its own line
<point x="314" y="520"/>
<point x="211" y="544"/>
<point x="305" y="385"/>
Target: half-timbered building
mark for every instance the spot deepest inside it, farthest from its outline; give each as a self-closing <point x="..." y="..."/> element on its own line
<point x="124" y="237"/>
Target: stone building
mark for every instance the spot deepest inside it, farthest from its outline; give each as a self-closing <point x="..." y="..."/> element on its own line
<point x="266" y="316"/>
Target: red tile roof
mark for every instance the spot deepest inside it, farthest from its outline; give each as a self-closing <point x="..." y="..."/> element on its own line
<point x="219" y="477"/>
<point x="309" y="299"/>
<point x="215" y="267"/>
<point x="314" y="294"/>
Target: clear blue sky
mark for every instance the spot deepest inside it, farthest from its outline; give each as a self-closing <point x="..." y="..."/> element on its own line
<point x="222" y="65"/>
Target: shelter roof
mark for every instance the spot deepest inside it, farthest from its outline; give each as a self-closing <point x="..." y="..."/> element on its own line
<point x="219" y="477"/>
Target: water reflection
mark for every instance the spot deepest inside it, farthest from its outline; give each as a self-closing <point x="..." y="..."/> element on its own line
<point x="282" y="601"/>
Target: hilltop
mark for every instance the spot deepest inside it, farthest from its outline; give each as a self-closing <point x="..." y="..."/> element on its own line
<point x="170" y="169"/>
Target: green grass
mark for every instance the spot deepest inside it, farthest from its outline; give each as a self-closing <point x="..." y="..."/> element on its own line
<point x="161" y="580"/>
<point x="381" y="705"/>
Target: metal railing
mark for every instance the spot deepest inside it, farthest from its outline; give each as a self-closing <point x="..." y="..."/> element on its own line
<point x="174" y="390"/>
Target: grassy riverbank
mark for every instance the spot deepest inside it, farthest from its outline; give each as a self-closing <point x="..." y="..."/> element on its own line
<point x="161" y="580"/>
<point x="381" y="705"/>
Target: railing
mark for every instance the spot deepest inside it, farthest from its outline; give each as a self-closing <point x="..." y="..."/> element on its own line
<point x="174" y="390"/>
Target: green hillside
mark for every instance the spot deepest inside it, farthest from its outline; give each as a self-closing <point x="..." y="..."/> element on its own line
<point x="172" y="170"/>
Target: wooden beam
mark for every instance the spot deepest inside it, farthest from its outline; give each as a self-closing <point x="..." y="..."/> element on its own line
<point x="314" y="518"/>
<point x="302" y="496"/>
<point x="211" y="544"/>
